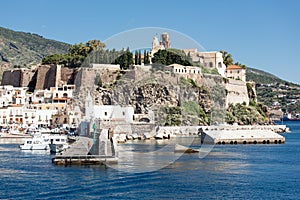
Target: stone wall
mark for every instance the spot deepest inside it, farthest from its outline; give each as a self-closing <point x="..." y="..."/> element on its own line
<point x="26" y="77"/>
<point x="142" y="128"/>
<point x="12" y="77"/>
<point x="17" y="77"/>
<point x="68" y="75"/>
<point x="236" y="92"/>
<point x="46" y="77"/>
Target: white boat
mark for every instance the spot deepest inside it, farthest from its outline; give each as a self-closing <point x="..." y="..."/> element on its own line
<point x="58" y="143"/>
<point x="52" y="142"/>
<point x="37" y="142"/>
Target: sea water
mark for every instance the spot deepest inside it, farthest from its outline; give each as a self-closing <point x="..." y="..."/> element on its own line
<point x="229" y="171"/>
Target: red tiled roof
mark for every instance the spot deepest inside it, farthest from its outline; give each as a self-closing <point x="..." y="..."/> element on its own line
<point x="233" y="67"/>
<point x="63" y="98"/>
<point x="16" y="105"/>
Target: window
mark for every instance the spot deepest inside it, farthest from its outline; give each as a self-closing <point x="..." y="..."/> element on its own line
<point x="123" y="113"/>
<point x="219" y="64"/>
<point x="105" y="113"/>
<point x="238" y="71"/>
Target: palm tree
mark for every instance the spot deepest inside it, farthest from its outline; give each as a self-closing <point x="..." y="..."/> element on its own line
<point x="227" y="58"/>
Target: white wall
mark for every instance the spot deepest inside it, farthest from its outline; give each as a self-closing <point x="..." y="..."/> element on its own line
<point x="112" y="112"/>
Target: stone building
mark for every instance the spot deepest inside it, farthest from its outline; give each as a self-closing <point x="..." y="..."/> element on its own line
<point x="209" y="59"/>
<point x="164" y="43"/>
<point x="165" y="40"/>
<point x="236" y="72"/>
<point x="180" y="69"/>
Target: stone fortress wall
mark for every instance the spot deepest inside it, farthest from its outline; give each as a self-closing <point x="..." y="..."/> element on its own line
<point x="236" y="92"/>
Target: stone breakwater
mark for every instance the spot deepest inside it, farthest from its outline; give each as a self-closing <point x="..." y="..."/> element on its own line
<point x="166" y="132"/>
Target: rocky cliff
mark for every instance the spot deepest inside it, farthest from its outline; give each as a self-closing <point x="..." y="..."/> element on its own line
<point x="169" y="95"/>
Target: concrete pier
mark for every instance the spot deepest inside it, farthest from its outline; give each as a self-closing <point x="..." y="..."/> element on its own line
<point x="241" y="137"/>
<point x="13" y="139"/>
<point x="89" y="151"/>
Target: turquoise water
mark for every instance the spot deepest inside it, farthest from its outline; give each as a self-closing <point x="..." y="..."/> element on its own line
<point x="229" y="171"/>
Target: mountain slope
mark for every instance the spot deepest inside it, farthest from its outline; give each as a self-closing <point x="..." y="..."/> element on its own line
<point x="274" y="92"/>
<point x="20" y="48"/>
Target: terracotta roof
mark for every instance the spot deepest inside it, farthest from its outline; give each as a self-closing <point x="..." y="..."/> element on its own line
<point x="16" y="105"/>
<point x="63" y="98"/>
<point x="233" y="67"/>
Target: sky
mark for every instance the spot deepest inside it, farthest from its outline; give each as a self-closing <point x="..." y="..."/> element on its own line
<point x="263" y="34"/>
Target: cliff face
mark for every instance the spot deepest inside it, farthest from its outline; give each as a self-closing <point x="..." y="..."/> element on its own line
<point x="168" y="95"/>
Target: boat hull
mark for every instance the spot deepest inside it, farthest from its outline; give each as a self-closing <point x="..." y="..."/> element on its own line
<point x="35" y="147"/>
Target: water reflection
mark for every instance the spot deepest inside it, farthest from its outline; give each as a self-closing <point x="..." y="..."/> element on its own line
<point x="152" y="155"/>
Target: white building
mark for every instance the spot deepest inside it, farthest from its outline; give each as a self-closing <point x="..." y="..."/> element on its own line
<point x="210" y="59"/>
<point x="29" y="118"/>
<point x="65" y="91"/>
<point x="41" y="96"/>
<point x="12" y="117"/>
<point x="44" y="117"/>
<point x="236" y="72"/>
<point x="12" y="95"/>
<point x="180" y="69"/>
<point x="114" y="113"/>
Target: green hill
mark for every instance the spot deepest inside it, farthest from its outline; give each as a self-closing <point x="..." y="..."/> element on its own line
<point x="274" y="92"/>
<point x="24" y="49"/>
<point x="263" y="77"/>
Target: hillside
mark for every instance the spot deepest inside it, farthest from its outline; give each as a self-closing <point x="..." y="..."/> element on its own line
<point x="24" y="49"/>
<point x="274" y="92"/>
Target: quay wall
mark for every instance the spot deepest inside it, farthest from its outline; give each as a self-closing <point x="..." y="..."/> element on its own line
<point x="12" y="140"/>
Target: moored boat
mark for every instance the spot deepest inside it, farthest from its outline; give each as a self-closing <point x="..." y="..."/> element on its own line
<point x="53" y="142"/>
<point x="58" y="143"/>
<point x="37" y="142"/>
<point x="288" y="117"/>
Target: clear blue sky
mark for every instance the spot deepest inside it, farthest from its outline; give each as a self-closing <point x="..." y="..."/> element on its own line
<point x="260" y="33"/>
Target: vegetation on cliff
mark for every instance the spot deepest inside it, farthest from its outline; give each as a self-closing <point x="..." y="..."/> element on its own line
<point x="244" y="115"/>
<point x="76" y="54"/>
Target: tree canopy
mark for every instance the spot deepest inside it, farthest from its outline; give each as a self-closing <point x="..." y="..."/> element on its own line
<point x="125" y="59"/>
<point x="227" y="58"/>
<point x="76" y="54"/>
<point x="166" y="57"/>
